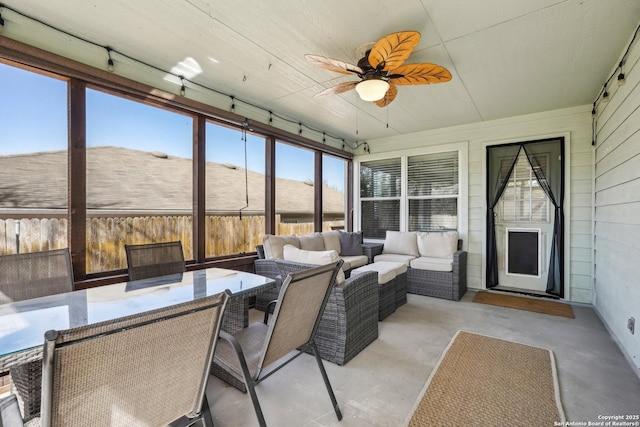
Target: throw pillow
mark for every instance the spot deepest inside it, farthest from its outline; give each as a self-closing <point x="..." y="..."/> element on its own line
<point x="291" y="253"/>
<point x="331" y="240"/>
<point x="435" y="244"/>
<point x="401" y="243"/>
<point x="273" y="245"/>
<point x="351" y="243"/>
<point x="312" y="242"/>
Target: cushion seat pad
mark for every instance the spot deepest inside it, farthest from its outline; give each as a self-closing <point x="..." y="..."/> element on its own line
<point x="353" y="261"/>
<point x="433" y="264"/>
<point x="387" y="271"/>
<point x="406" y="259"/>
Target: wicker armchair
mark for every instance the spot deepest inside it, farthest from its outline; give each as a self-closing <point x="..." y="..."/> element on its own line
<point x="350" y="320"/>
<point x="451" y="285"/>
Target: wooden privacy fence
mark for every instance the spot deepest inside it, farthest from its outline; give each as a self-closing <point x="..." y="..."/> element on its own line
<point x="36" y="234"/>
<point x="106" y="236"/>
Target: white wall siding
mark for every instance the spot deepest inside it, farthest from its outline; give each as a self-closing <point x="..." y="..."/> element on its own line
<point x="580" y="224"/>
<point x="573" y="123"/>
<point x="617" y="208"/>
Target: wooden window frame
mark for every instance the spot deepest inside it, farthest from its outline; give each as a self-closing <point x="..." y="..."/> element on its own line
<point x="81" y="76"/>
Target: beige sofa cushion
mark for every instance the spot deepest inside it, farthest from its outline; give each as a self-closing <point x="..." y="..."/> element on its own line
<point x="406" y="259"/>
<point x="354" y="261"/>
<point x="273" y="245"/>
<point x="312" y="242"/>
<point x="292" y="253"/>
<point x="331" y="240"/>
<point x="433" y="264"/>
<point x="434" y="244"/>
<point x="386" y="271"/>
<point x="401" y="243"/>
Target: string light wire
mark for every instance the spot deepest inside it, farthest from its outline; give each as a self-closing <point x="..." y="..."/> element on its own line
<point x="603" y="95"/>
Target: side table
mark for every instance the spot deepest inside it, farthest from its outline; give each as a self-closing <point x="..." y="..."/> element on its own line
<point x="372" y="249"/>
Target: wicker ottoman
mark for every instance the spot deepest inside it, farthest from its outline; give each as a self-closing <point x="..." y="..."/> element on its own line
<point x="392" y="285"/>
<point x="401" y="285"/>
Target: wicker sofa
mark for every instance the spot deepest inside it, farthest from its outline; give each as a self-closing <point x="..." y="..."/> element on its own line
<point x="437" y="264"/>
<point x="348" y="246"/>
<point x="350" y="319"/>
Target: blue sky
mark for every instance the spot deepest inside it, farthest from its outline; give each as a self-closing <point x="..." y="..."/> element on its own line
<point x="33" y="118"/>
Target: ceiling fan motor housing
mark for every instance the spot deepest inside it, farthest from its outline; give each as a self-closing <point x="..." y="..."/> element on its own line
<point x="368" y="71"/>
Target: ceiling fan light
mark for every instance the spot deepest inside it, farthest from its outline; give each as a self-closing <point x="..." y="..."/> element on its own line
<point x="372" y="89"/>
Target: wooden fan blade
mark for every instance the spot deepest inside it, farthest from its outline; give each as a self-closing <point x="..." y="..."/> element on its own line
<point x="333" y="64"/>
<point x="419" y="74"/>
<point x="392" y="50"/>
<point x="338" y="89"/>
<point x="388" y="97"/>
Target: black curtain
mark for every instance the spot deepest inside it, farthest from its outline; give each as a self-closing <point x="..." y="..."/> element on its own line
<point x="553" y="186"/>
<point x="500" y="162"/>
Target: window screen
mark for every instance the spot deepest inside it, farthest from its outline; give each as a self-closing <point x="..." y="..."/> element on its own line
<point x="380" y="191"/>
<point x="523" y="199"/>
<point x="381" y="178"/>
<point x="432" y="182"/>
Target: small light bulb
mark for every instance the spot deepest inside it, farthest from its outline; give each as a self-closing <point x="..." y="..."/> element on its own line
<point x="593" y="112"/>
<point x="1" y="24"/>
<point x="183" y="90"/>
<point x="605" y="96"/>
<point x="621" y="79"/>
<point x="110" y="65"/>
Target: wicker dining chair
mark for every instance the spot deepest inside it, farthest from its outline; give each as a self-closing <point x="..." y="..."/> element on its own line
<point x="149" y="369"/>
<point x="154" y="259"/>
<point x="26" y="276"/>
<point x="254" y="353"/>
<point x="35" y="274"/>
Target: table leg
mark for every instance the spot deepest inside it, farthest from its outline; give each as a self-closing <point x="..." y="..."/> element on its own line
<point x="236" y="315"/>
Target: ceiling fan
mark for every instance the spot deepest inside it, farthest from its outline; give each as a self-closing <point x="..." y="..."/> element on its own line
<point x="381" y="69"/>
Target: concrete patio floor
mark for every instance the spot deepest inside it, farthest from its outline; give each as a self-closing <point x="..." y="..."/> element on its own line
<point x="381" y="384"/>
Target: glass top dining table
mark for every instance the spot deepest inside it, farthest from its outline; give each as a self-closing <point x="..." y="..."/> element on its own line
<point x="23" y="323"/>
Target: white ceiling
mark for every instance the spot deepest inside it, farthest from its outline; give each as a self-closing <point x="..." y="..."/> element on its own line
<point x="507" y="57"/>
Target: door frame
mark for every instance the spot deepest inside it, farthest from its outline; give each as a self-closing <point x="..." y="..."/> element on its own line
<point x="566" y="206"/>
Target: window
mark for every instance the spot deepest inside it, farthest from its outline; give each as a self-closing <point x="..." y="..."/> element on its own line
<point x="294" y="190"/>
<point x="410" y="193"/>
<point x="139" y="170"/>
<point x="139" y="178"/>
<point x="380" y="195"/>
<point x="334" y="176"/>
<point x="523" y="199"/>
<point x="235" y="186"/>
<point x="432" y="182"/>
<point x="33" y="161"/>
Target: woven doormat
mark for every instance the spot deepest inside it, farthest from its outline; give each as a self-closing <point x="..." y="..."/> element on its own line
<point x="485" y="381"/>
<point x="525" y="303"/>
